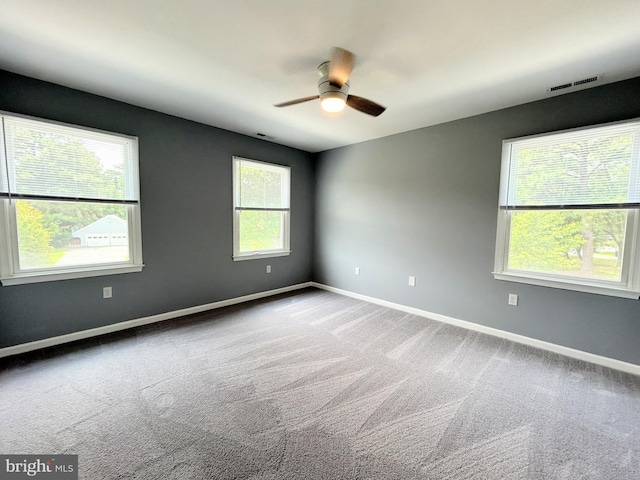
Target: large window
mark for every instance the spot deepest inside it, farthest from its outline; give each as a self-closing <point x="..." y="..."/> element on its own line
<point x="69" y="202"/>
<point x="568" y="213"/>
<point x="261" y="209"/>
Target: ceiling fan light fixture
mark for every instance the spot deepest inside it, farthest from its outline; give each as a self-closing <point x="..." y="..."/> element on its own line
<point x="333" y="102"/>
<point x="333" y="98"/>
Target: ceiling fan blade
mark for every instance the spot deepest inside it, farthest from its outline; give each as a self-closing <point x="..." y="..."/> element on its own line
<point x="296" y="101"/>
<point x="340" y="66"/>
<point x="365" y="106"/>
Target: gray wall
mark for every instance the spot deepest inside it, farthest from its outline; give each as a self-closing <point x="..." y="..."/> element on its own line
<point x="421" y="203"/>
<point x="424" y="203"/>
<point x="186" y="205"/>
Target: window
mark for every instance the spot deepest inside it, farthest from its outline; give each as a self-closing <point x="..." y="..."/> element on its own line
<point x="261" y="209"/>
<point x="69" y="202"/>
<point x="568" y="210"/>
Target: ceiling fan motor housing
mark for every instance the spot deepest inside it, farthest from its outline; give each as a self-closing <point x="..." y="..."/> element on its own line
<point x="328" y="90"/>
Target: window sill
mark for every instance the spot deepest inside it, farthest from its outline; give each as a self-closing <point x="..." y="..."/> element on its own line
<point x="258" y="255"/>
<point x="38" y="277"/>
<point x="577" y="286"/>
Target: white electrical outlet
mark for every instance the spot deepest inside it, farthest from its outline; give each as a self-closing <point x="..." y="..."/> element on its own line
<point x="513" y="299"/>
<point x="357" y="271"/>
<point x="107" y="292"/>
<point x="268" y="268"/>
<point x="412" y="281"/>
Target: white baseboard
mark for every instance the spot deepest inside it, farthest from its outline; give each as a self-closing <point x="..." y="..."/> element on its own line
<point x="94" y="332"/>
<point x="532" y="342"/>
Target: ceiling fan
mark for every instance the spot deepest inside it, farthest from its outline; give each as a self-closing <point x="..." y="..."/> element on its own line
<point x="333" y="86"/>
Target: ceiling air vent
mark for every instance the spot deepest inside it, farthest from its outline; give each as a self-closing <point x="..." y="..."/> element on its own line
<point x="585" y="80"/>
<point x="577" y="83"/>
<point x="560" y="87"/>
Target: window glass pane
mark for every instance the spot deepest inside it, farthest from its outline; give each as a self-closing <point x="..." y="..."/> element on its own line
<point x="575" y="171"/>
<point x="59" y="161"/>
<point x="579" y="243"/>
<point x="598" y="165"/>
<point x="67" y="234"/>
<point x="261" y="187"/>
<point x="260" y="230"/>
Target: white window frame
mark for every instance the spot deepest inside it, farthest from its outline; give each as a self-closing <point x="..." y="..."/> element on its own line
<point x="627" y="287"/>
<point x="237" y="208"/>
<point x="10" y="272"/>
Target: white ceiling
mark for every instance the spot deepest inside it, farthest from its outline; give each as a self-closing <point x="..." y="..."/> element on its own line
<point x="226" y="62"/>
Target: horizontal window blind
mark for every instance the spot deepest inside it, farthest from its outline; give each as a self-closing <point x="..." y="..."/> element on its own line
<point x="261" y="186"/>
<point x="48" y="161"/>
<point x="596" y="167"/>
